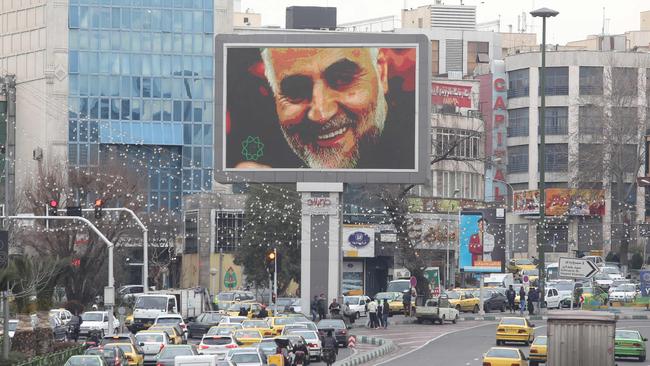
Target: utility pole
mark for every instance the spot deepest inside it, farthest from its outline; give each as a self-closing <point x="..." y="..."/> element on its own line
<point x="275" y="282"/>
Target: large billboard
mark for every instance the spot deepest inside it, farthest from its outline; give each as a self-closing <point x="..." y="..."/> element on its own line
<point x="482" y="241"/>
<point x="561" y="202"/>
<point x="299" y="107"/>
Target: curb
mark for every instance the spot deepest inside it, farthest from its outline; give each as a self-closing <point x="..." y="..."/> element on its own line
<point x="385" y="347"/>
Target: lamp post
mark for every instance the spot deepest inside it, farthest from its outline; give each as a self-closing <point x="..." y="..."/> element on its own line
<point x="542" y="13"/>
<point x="456" y="191"/>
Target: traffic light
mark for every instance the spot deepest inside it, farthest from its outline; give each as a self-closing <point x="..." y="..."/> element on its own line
<point x="99" y="203"/>
<point x="270" y="261"/>
<point x="53" y="208"/>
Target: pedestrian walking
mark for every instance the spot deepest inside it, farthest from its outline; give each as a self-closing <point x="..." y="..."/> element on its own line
<point x="322" y="307"/>
<point x="406" y="302"/>
<point x="522" y="300"/>
<point x="372" y="314"/>
<point x="380" y="311"/>
<point x="314" y="308"/>
<point x="414" y="297"/>
<point x="75" y="325"/>
<point x="385" y="313"/>
<point x="510" y="295"/>
<point x="531" y="300"/>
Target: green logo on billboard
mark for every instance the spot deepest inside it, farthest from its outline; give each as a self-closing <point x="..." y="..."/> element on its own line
<point x="230" y="279"/>
<point x="252" y="148"/>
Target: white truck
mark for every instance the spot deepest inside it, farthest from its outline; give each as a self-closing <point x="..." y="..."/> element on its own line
<point x="437" y="309"/>
<point x="195" y="361"/>
<point x="498" y="280"/>
<point x="189" y="303"/>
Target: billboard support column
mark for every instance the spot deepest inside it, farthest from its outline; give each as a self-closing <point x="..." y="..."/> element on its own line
<point x="320" y="255"/>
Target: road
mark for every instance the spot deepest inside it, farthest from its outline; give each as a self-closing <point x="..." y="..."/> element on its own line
<point x="465" y="347"/>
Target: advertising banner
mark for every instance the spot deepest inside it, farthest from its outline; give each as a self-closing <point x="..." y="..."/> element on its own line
<point x="645" y="283"/>
<point x="456" y="95"/>
<point x="432" y="274"/>
<point x="557" y="201"/>
<point x="562" y="201"/>
<point x="296" y="106"/>
<point x="482" y="241"/>
<point x="358" y="241"/>
<point x="587" y="202"/>
<point x="526" y="203"/>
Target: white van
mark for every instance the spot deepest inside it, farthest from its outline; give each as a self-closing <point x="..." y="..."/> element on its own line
<point x="595" y="259"/>
<point x="195" y="360"/>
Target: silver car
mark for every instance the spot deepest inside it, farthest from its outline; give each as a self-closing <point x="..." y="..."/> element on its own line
<point x="217" y="345"/>
<point x="247" y="357"/>
<point x="151" y="344"/>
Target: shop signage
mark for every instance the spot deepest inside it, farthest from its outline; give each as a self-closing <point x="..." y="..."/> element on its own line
<point x="359" y="239"/>
<point x="451" y="94"/>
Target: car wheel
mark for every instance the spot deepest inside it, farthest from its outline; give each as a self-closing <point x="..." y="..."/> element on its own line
<point x="486" y="307"/>
<point x="503" y="308"/>
<point x="443" y="319"/>
<point x="475" y="310"/>
<point x="458" y="308"/>
<point x="419" y="320"/>
<point x="642" y="358"/>
<point x="358" y="315"/>
<point x="499" y="342"/>
<point x="455" y="319"/>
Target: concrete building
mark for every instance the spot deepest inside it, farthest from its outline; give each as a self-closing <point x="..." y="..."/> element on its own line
<point x="247" y="19"/>
<point x="381" y="24"/>
<point x="644" y="20"/>
<point x="440" y="16"/>
<point x="96" y="79"/>
<point x="589" y="95"/>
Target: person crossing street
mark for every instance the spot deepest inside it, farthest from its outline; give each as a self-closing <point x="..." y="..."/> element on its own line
<point x="372" y="314"/>
<point x="510" y="295"/>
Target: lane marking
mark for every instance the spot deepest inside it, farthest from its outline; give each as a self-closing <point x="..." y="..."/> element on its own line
<point x="431" y="341"/>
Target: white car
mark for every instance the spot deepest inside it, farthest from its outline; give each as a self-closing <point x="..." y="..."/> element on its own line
<point x="217" y="345"/>
<point x="233" y="319"/>
<point x="62" y="314"/>
<point x="152" y="343"/>
<point x="625" y="293"/>
<point x="96" y="320"/>
<point x="290" y="328"/>
<point x="357" y="304"/>
<point x="314" y="344"/>
<point x="613" y="272"/>
<point x="172" y="319"/>
<point x="247" y="357"/>
<point x="552" y="298"/>
<point x="603" y="280"/>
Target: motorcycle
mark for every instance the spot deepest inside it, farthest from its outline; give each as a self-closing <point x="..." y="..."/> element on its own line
<point x="329" y="356"/>
<point x="299" y="358"/>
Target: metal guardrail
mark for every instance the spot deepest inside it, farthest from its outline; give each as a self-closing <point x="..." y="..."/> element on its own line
<point x="53" y="359"/>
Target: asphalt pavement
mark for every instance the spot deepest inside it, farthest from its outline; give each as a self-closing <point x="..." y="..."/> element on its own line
<point x="465" y="347"/>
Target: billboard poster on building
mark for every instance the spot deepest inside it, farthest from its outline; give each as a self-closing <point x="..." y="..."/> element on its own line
<point x="432" y="274"/>
<point x="526" y="203"/>
<point x="482" y="241"/>
<point x="451" y="94"/>
<point x="587" y="202"/>
<point x="308" y="107"/>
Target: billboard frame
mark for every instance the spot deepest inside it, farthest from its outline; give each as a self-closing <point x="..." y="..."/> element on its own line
<point x="418" y="175"/>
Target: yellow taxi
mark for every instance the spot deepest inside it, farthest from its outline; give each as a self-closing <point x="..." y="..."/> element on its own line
<point x="247" y="337"/>
<point x="520" y="264"/>
<point x="502" y="356"/>
<point x="395" y="301"/>
<point x="537" y="352"/>
<point x="463" y="301"/>
<point x="512" y="329"/>
<point x="253" y="309"/>
<point x="134" y="358"/>
<point x="258" y="324"/>
<point x="174" y="336"/>
<point x="277" y="323"/>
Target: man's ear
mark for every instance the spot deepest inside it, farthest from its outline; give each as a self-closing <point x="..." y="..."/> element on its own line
<point x="382" y="68"/>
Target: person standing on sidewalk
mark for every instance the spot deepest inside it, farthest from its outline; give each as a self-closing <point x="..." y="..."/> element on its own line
<point x="322" y="307"/>
<point x="380" y="311"/>
<point x="522" y="300"/>
<point x="314" y="308"/>
<point x="510" y="295"/>
<point x="372" y="314"/>
<point x="406" y="302"/>
<point x="385" y="313"/>
<point x="532" y="295"/>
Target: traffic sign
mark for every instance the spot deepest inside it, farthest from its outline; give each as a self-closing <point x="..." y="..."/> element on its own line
<point x="577" y="268"/>
<point x="525" y="279"/>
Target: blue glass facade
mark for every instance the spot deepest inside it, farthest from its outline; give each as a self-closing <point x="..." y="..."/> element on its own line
<point x="141" y="83"/>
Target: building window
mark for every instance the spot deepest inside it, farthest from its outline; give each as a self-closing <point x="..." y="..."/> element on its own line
<point x="468" y="184"/>
<point x="556" y="81"/>
<point x="624" y="81"/>
<point x="246" y="20"/>
<point x="556" y="238"/>
<point x="518" y="159"/>
<point x="590" y="120"/>
<point x="624" y="121"/>
<point x="473" y="50"/>
<point x="591" y="80"/>
<point x="462" y="143"/>
<point x="590" y="162"/>
<point x="454" y="55"/>
<point x="229" y="228"/>
<point x="556" y="120"/>
<point x="435" y="58"/>
<point x="557" y="157"/>
<point x="518" y="122"/>
<point x="518" y="83"/>
<point x="191" y="232"/>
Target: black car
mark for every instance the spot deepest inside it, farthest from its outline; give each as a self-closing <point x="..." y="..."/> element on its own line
<point x="198" y="327"/>
<point x="494" y="300"/>
<point x="114" y="356"/>
<point x="167" y="355"/>
<point x="338" y="328"/>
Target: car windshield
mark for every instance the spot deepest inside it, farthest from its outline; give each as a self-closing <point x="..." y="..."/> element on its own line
<point x="220" y="331"/>
<point x="126" y="348"/>
<point x="247" y="334"/>
<point x="268" y="346"/>
<point x="625" y="288"/>
<point x="84" y="361"/>
<point x="149" y="338"/>
<point x="503" y="353"/>
<point x="168" y="321"/>
<point x="452" y="295"/>
<point x="530" y="272"/>
<point x="610" y="270"/>
<point x="245" y="358"/>
<point x="171" y="352"/>
<point x="151" y="302"/>
<point x="216" y="341"/>
<point x="627" y="334"/>
<point x="237" y="307"/>
<point x="563" y="286"/>
<point x="307" y="335"/>
<point x="254" y="324"/>
<point x="284" y="321"/>
<point x="333" y="323"/>
<point x="228" y="296"/>
<point x="352" y="300"/>
<point x="523" y="262"/>
<point x="602" y="276"/>
<point x="398" y="286"/>
<point x="540" y="341"/>
<point x="284" y="302"/>
<point x="92" y="317"/>
<point x="513" y="321"/>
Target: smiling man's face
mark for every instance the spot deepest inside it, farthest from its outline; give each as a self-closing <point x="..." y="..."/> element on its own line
<point x="329" y="101"/>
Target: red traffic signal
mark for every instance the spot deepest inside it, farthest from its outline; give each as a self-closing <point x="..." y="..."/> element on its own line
<point x="53" y="207"/>
<point x="99" y="203"/>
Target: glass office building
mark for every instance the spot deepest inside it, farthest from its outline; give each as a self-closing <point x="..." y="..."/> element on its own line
<point x="141" y="84"/>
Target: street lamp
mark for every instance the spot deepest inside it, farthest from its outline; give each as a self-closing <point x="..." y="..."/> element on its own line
<point x="542" y="13"/>
<point x="456" y="191"/>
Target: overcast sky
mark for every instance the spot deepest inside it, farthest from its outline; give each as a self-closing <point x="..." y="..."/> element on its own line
<point x="577" y="19"/>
